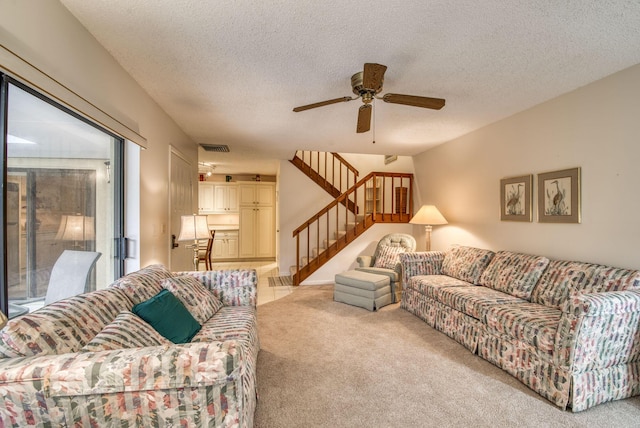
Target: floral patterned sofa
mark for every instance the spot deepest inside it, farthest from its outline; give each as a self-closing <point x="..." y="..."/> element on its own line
<point x="89" y="361"/>
<point x="568" y="330"/>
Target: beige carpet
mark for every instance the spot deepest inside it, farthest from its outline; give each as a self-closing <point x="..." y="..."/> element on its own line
<point x="327" y="364"/>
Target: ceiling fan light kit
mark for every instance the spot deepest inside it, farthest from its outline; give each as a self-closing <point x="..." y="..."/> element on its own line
<point x="367" y="84"/>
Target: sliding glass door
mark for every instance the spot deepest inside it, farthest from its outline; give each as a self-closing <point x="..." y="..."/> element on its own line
<point x="63" y="181"/>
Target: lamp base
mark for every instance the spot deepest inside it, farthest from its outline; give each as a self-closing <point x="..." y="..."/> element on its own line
<point x="428" y="229"/>
<point x="194" y="246"/>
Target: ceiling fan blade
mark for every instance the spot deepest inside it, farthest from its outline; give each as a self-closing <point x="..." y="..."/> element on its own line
<point x="373" y="75"/>
<point x="364" y="118"/>
<point x="413" y="100"/>
<point x="323" y="103"/>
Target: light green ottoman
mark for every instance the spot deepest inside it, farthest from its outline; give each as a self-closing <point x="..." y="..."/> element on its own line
<point x="363" y="289"/>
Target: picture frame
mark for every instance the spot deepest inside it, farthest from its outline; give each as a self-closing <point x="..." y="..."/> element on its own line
<point x="516" y="198"/>
<point x="559" y="196"/>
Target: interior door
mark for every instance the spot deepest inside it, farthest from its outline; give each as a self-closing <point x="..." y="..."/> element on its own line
<point x="180" y="203"/>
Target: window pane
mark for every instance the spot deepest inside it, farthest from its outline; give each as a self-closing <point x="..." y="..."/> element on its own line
<point x="60" y="197"/>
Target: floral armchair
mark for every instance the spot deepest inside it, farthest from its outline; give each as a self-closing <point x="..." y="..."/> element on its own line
<point x="385" y="261"/>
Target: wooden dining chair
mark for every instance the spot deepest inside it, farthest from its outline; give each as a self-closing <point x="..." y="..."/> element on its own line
<point x="205" y="256"/>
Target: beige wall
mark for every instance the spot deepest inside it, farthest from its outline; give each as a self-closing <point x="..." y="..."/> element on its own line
<point x="49" y="37"/>
<point x="596" y="127"/>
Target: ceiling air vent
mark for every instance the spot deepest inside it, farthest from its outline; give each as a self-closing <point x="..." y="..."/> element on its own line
<point x="221" y="148"/>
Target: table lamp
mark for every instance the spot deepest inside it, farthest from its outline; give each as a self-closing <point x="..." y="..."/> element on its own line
<point x="77" y="229"/>
<point x="428" y="215"/>
<point x="193" y="228"/>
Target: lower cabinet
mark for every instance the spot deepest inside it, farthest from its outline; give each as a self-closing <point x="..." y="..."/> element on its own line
<point x="225" y="245"/>
<point x="257" y="232"/>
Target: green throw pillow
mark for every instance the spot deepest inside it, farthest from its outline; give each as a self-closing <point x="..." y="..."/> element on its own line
<point x="168" y="316"/>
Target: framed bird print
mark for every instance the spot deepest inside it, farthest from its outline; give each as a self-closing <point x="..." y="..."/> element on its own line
<point x="559" y="196"/>
<point x="515" y="198"/>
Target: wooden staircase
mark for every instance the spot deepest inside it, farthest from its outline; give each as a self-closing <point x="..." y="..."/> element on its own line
<point x="328" y="170"/>
<point x="379" y="197"/>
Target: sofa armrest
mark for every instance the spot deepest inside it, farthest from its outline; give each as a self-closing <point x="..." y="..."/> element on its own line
<point x="599" y="330"/>
<point x="234" y="287"/>
<point x="422" y="263"/>
<point x="364" y="261"/>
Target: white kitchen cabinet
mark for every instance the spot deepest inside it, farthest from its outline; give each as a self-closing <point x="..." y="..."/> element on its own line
<point x="257" y="232"/>
<point x="225" y="198"/>
<point x="217" y="198"/>
<point x="225" y="245"/>
<point x="257" y="220"/>
<point x="257" y="194"/>
<point x="205" y="197"/>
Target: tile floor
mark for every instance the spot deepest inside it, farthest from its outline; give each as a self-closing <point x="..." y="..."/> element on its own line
<point x="265" y="270"/>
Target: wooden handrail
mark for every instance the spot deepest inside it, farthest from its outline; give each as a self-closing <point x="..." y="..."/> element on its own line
<point x="332" y="204"/>
<point x="326" y="175"/>
<point x="345" y="162"/>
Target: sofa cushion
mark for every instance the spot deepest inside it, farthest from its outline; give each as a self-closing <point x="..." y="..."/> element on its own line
<point x="168" y="316"/>
<point x="231" y="323"/>
<point x="466" y="263"/>
<point x="199" y="301"/>
<point x="528" y="322"/>
<point x="430" y="284"/>
<point x="514" y="273"/>
<point x="126" y="331"/>
<point x="561" y="276"/>
<point x="608" y="278"/>
<point x="63" y="326"/>
<point x="233" y="287"/>
<point x="143" y="284"/>
<point x="474" y="301"/>
<point x="388" y="256"/>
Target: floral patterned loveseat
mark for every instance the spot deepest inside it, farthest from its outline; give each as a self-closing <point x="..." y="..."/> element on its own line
<point x="568" y="330"/>
<point x="88" y="361"/>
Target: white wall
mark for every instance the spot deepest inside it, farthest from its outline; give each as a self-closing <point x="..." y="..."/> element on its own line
<point x="298" y="199"/>
<point x="49" y="37"/>
<point x="595" y="127"/>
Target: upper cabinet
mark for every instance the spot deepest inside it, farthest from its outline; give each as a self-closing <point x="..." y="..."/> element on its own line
<point x="257" y="194"/>
<point x="225" y="198"/>
<point x="205" y="197"/>
<point x="217" y="198"/>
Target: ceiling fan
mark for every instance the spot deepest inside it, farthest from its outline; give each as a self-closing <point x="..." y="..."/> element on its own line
<point x="367" y="84"/>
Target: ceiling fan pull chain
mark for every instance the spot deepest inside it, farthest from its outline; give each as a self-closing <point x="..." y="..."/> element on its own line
<point x="374" y="121"/>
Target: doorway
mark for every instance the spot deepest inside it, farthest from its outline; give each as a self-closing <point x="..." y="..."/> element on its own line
<point x="180" y="203"/>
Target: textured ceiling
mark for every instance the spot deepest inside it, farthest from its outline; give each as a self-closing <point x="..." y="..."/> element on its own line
<point x="230" y="72"/>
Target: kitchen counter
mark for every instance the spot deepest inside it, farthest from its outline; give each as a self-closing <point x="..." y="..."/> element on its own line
<point x="222" y="227"/>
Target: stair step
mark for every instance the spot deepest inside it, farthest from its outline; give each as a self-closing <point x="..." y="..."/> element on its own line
<point x="316" y="251"/>
<point x="328" y="243"/>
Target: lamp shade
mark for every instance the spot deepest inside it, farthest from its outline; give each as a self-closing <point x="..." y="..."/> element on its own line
<point x="76" y="228"/>
<point x="428" y="214"/>
<point x="193" y="227"/>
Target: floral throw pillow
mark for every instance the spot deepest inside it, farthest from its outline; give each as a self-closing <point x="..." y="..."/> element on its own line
<point x="388" y="257"/>
<point x="200" y="302"/>
<point x="127" y="331"/>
